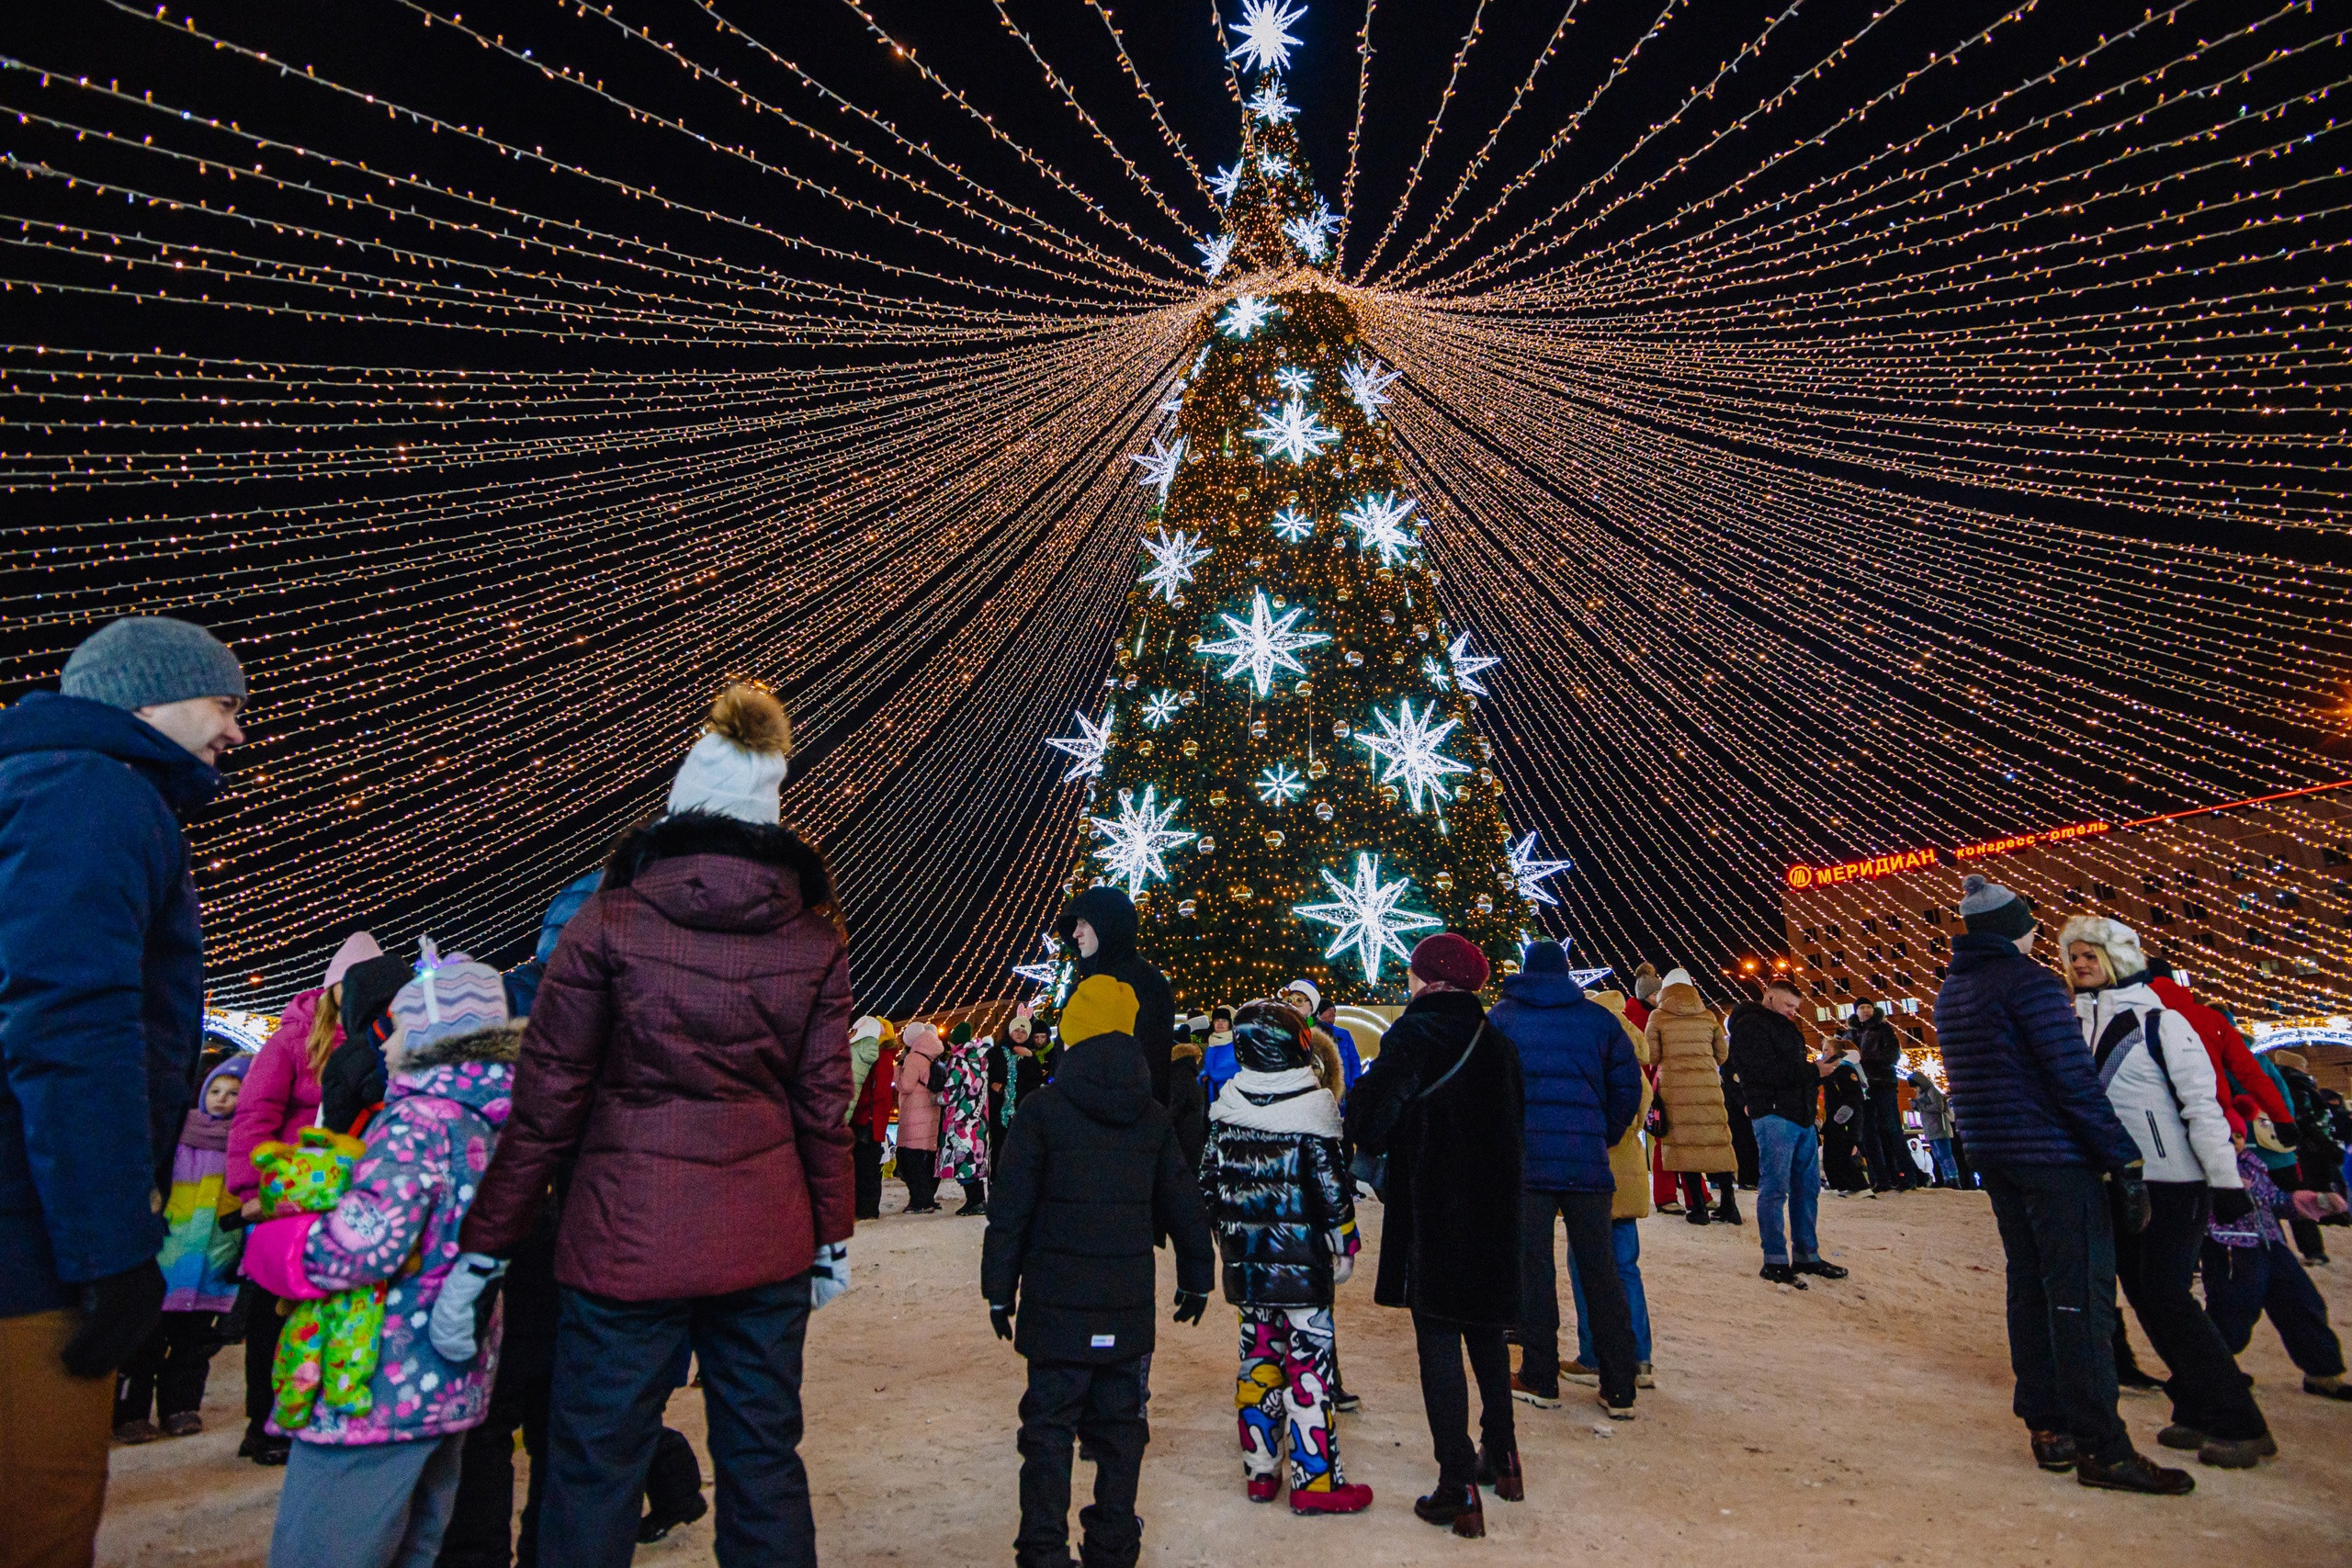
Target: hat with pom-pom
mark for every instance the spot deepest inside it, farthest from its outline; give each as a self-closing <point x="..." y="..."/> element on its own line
<point x="737" y="768"/>
<point x="1989" y="907"/>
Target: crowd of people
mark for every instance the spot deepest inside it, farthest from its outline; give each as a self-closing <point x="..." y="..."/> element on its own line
<point x="444" y="1205"/>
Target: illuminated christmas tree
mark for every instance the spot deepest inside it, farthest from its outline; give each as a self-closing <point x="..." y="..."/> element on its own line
<point x="1289" y="776"/>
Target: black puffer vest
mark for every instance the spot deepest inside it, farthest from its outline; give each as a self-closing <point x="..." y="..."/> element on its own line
<point x="1277" y="1191"/>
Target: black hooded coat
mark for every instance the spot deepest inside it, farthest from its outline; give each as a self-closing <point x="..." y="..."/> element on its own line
<point x="1113" y="915"/>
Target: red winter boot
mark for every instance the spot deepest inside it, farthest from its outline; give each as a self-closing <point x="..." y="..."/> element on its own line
<point x="1264" y="1488"/>
<point x="1353" y="1498"/>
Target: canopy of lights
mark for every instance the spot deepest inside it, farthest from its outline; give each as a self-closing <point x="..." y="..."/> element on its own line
<point x="1840" y="432"/>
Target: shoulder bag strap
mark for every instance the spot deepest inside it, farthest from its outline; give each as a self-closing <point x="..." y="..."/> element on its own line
<point x="1457" y="1066"/>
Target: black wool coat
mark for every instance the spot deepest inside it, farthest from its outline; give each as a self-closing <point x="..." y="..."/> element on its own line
<point x="1448" y="1242"/>
<point x="1092" y="1178"/>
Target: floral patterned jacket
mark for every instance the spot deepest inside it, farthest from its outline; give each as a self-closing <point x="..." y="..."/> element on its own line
<point x="426" y="1151"/>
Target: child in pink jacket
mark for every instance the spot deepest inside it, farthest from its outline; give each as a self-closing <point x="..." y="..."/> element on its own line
<point x="919" y="1047"/>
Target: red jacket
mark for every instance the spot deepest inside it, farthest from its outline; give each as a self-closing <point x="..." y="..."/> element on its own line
<point x="878" y="1101"/>
<point x="690" y="1043"/>
<point x="2234" y="1069"/>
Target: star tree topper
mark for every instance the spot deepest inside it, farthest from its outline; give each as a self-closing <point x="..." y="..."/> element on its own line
<point x="1140" y="839"/>
<point x="1266" y="41"/>
<point x="1262" y="645"/>
<point x="1366" y="915"/>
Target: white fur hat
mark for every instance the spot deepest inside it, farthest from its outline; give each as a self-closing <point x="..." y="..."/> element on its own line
<point x="2119" y="941"/>
<point x="1678" y="976"/>
<point x="737" y="768"/>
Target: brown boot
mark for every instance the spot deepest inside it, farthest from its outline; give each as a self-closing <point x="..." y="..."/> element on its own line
<point x="1459" y="1506"/>
<point x="1501" y="1472"/>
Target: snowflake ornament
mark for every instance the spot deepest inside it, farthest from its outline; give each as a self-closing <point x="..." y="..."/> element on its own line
<point x="1139" y="839"/>
<point x="1280" y="785"/>
<point x="1159" y="465"/>
<point x="1294" y="432"/>
<point x="1312" y="233"/>
<point x="1266" y="40"/>
<point x="1291" y="379"/>
<point x="1247" y="314"/>
<point x="1380" y="523"/>
<point x="1293" y="525"/>
<point x="1160" y="707"/>
<point x="1469" y="665"/>
<point x="1527" y="874"/>
<point x="1273" y="165"/>
<point x="1086" y="748"/>
<point x="1408" y="745"/>
<point x="1262" y="644"/>
<point x="1214" y="254"/>
<point x="1367" y="381"/>
<point x="1269" y="105"/>
<point x="1367" y="914"/>
<point x="1174" y="557"/>
<point x="1225" y="182"/>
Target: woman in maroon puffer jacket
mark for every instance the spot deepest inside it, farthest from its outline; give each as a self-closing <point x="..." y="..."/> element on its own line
<point x="686" y="1072"/>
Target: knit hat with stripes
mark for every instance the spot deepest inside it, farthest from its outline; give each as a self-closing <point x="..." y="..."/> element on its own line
<point x="449" y="996"/>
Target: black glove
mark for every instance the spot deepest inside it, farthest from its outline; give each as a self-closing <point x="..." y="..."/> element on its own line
<point x="1191" y="1304"/>
<point x="2232" y="1204"/>
<point x="1000" y="1319"/>
<point x="2133" y="1209"/>
<point x="118" y="1312"/>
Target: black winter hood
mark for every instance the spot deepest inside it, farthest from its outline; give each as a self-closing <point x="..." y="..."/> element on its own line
<point x="1107" y="1079"/>
<point x="1111" y="914"/>
<point x="51" y="721"/>
<point x="686" y="833"/>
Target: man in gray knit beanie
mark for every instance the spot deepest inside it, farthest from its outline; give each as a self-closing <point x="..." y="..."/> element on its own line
<point x="101" y="1015"/>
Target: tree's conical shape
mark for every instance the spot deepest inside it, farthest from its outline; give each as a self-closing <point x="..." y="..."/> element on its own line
<point x="1293" y="782"/>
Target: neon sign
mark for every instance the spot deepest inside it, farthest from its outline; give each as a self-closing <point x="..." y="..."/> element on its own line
<point x="1859" y="870"/>
<point x="2027" y="840"/>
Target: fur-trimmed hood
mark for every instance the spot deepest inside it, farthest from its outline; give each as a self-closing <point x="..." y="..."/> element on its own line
<point x="475" y="1069"/>
<point x="498" y="1042"/>
<point x="709" y="897"/>
<point x="1292" y="1102"/>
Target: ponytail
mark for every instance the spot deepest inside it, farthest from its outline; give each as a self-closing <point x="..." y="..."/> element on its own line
<point x="326" y="1026"/>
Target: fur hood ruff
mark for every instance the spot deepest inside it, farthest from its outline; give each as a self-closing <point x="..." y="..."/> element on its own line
<point x="500" y="1042"/>
<point x="1290" y="1101"/>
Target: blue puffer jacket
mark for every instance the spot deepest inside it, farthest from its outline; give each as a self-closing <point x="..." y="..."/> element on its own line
<point x="1583" y="1083"/>
<point x="101" y="990"/>
<point x="2023" y="1086"/>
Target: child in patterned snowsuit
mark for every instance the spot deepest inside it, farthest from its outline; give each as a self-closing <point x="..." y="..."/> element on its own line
<point x="1278" y="1196"/>
<point x="964" y="1118"/>
<point x="375" y="1489"/>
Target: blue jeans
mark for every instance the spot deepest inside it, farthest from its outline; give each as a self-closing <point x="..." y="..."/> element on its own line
<point x="614" y="1371"/>
<point x="1787" y="1169"/>
<point x="1626" y="1238"/>
<point x="1947" y="1167"/>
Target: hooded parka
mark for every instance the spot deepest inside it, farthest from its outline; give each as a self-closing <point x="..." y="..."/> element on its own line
<point x="1687" y="1041"/>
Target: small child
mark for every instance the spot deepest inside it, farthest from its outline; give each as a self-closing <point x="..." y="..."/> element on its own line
<point x="1093" y="1177"/>
<point x="199" y="1264"/>
<point x="2249" y="1270"/>
<point x="362" y="1490"/>
<point x="1278" y="1193"/>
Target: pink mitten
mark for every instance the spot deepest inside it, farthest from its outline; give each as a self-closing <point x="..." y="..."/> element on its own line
<point x="2316" y="1206"/>
<point x="274" y="1257"/>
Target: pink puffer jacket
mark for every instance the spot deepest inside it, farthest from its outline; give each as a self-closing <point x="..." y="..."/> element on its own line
<point x="281" y="1093"/>
<point x="918" y="1107"/>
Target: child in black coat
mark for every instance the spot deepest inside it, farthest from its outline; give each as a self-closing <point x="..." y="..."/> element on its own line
<point x="1092" y="1177"/>
<point x="1278" y="1191"/>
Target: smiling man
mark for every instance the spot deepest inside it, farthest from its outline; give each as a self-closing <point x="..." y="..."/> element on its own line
<point x="101" y="1013"/>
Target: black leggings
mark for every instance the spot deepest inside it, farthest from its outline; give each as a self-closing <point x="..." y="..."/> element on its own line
<point x="919" y="1168"/>
<point x="1445" y="1395"/>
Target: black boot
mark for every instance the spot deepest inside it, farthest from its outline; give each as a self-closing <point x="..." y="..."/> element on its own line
<point x="1459" y="1506"/>
<point x="975" y="1198"/>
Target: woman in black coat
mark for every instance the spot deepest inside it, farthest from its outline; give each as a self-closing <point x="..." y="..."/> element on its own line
<point x="1014" y="1074"/>
<point x="1444" y="1103"/>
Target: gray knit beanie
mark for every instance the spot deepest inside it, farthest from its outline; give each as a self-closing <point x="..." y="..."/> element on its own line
<point x="1989" y="907"/>
<point x="144" y="661"/>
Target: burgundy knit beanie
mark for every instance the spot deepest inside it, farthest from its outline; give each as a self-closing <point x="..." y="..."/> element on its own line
<point x="1451" y="959"/>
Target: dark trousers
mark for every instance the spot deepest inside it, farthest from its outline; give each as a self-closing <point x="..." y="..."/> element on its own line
<point x="2308" y="1241"/>
<point x="1445" y="1397"/>
<point x="919" y="1168"/>
<point x="1104" y="1406"/>
<point x="1838" y="1141"/>
<point x="262" y="1323"/>
<point x="2244" y="1283"/>
<point x="2060" y="1241"/>
<point x="613" y="1378"/>
<point x="1592" y="1245"/>
<point x="865" y="1175"/>
<point x="480" y="1533"/>
<point x="1883" y="1143"/>
<point x="1725" y="1196"/>
<point x="166" y="1374"/>
<point x="1743" y="1131"/>
<point x="2207" y="1391"/>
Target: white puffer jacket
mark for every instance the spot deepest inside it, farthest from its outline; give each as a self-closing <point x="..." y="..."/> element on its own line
<point x="2199" y="1151"/>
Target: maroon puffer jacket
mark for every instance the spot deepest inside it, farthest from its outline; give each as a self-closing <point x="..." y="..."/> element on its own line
<point x="690" y="1042"/>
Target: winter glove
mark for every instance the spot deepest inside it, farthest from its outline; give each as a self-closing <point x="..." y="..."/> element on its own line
<point x="828" y="1276"/>
<point x="2133" y="1209"/>
<point x="1000" y="1319"/>
<point x="2232" y="1204"/>
<point x="2316" y="1206"/>
<point x="118" y="1313"/>
<point x="461" y="1313"/>
<point x="1191" y="1304"/>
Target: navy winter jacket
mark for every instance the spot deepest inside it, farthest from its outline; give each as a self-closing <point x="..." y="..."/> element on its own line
<point x="101" y="990"/>
<point x="1583" y="1083"/>
<point x="2023" y="1086"/>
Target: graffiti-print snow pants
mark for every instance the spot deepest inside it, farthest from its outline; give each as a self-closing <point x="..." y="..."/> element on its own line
<point x="1287" y="1373"/>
